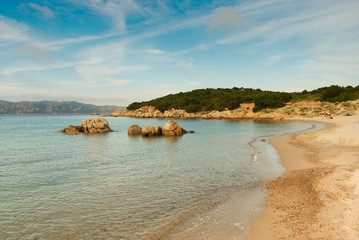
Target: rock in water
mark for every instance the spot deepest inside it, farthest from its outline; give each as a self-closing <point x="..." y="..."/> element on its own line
<point x="151" y="130"/>
<point x="73" y="130"/>
<point x="134" y="129"/>
<point x="96" y="125"/>
<point x="170" y="125"/>
<point x="172" y="129"/>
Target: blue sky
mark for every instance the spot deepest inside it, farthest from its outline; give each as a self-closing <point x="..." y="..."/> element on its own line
<point x="120" y="51"/>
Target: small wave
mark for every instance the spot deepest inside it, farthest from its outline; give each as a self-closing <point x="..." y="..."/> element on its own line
<point x="255" y="157"/>
<point x="312" y="127"/>
<point x="257" y="149"/>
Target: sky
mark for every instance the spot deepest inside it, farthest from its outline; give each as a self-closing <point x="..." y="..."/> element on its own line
<point x="120" y="51"/>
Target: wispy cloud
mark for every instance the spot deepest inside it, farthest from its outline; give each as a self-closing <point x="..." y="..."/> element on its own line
<point x="306" y="21"/>
<point x="120" y="82"/>
<point x="114" y="11"/>
<point x="43" y="10"/>
<point x="274" y="59"/>
<point x="94" y="73"/>
<point x="155" y="51"/>
<point x="33" y="52"/>
<point x="226" y="18"/>
<point x="13" y="31"/>
<point x="37" y="67"/>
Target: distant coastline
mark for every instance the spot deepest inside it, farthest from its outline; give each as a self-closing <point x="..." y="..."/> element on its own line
<point x="53" y="107"/>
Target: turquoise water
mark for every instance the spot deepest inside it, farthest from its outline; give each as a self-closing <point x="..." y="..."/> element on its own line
<point x="114" y="186"/>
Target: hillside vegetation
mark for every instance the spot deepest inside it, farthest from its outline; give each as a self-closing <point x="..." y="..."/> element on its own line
<point x="218" y="99"/>
<point x="52" y="107"/>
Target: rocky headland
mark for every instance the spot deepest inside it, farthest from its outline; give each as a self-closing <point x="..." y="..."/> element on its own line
<point x="96" y="125"/>
<point x="305" y="109"/>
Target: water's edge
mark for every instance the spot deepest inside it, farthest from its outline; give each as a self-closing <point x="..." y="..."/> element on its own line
<point x="234" y="218"/>
<point x="315" y="126"/>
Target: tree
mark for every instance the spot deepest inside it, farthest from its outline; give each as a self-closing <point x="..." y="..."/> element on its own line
<point x="331" y="92"/>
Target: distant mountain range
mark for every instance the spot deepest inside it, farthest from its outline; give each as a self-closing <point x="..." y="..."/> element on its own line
<point x="53" y="107"/>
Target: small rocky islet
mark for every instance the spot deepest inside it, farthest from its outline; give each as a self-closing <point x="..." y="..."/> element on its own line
<point x="96" y="125"/>
<point x="171" y="128"/>
<point x="100" y="125"/>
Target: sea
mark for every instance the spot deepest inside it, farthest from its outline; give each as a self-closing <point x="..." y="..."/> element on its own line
<point x="115" y="186"/>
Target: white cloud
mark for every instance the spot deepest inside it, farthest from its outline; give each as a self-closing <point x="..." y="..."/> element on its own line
<point x="120" y="82"/>
<point x="32" y="66"/>
<point x="45" y="11"/>
<point x="115" y="11"/>
<point x="339" y="64"/>
<point x="310" y="22"/>
<point x="155" y="51"/>
<point x="274" y="59"/>
<point x="226" y="18"/>
<point x="12" y="31"/>
<point x="33" y="52"/>
<point x="318" y="37"/>
<point x="101" y="73"/>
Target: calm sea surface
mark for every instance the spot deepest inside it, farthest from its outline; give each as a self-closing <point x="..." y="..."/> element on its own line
<point x="113" y="186"/>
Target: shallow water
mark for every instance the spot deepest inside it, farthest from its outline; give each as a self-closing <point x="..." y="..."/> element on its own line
<point x="114" y="186"/>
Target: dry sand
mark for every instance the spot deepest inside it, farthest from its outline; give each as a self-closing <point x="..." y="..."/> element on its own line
<point x="318" y="196"/>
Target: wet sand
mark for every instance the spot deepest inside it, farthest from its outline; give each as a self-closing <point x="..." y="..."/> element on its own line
<point x="318" y="196"/>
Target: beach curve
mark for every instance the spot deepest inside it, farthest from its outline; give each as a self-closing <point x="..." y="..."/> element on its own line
<point x="318" y="196"/>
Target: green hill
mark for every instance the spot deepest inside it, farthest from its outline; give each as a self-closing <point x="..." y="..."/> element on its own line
<point x="52" y="107"/>
<point x="218" y="99"/>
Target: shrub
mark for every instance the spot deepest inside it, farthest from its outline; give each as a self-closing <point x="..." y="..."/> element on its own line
<point x="331" y="92"/>
<point x="270" y="100"/>
<point x="335" y="93"/>
<point x="193" y="108"/>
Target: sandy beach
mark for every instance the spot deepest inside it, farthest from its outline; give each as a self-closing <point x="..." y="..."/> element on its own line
<point x="318" y="196"/>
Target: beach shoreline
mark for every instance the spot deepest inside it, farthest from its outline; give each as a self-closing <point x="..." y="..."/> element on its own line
<point x="317" y="197"/>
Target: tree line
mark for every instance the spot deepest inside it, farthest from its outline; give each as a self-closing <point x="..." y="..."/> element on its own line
<point x="221" y="98"/>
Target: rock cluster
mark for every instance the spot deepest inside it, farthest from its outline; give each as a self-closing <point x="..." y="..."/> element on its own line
<point x="96" y="125"/>
<point x="245" y="111"/>
<point x="171" y="128"/>
<point x="152" y="112"/>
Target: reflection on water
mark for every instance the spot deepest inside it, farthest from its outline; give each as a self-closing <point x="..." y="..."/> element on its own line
<point x="172" y="139"/>
<point x="57" y="186"/>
